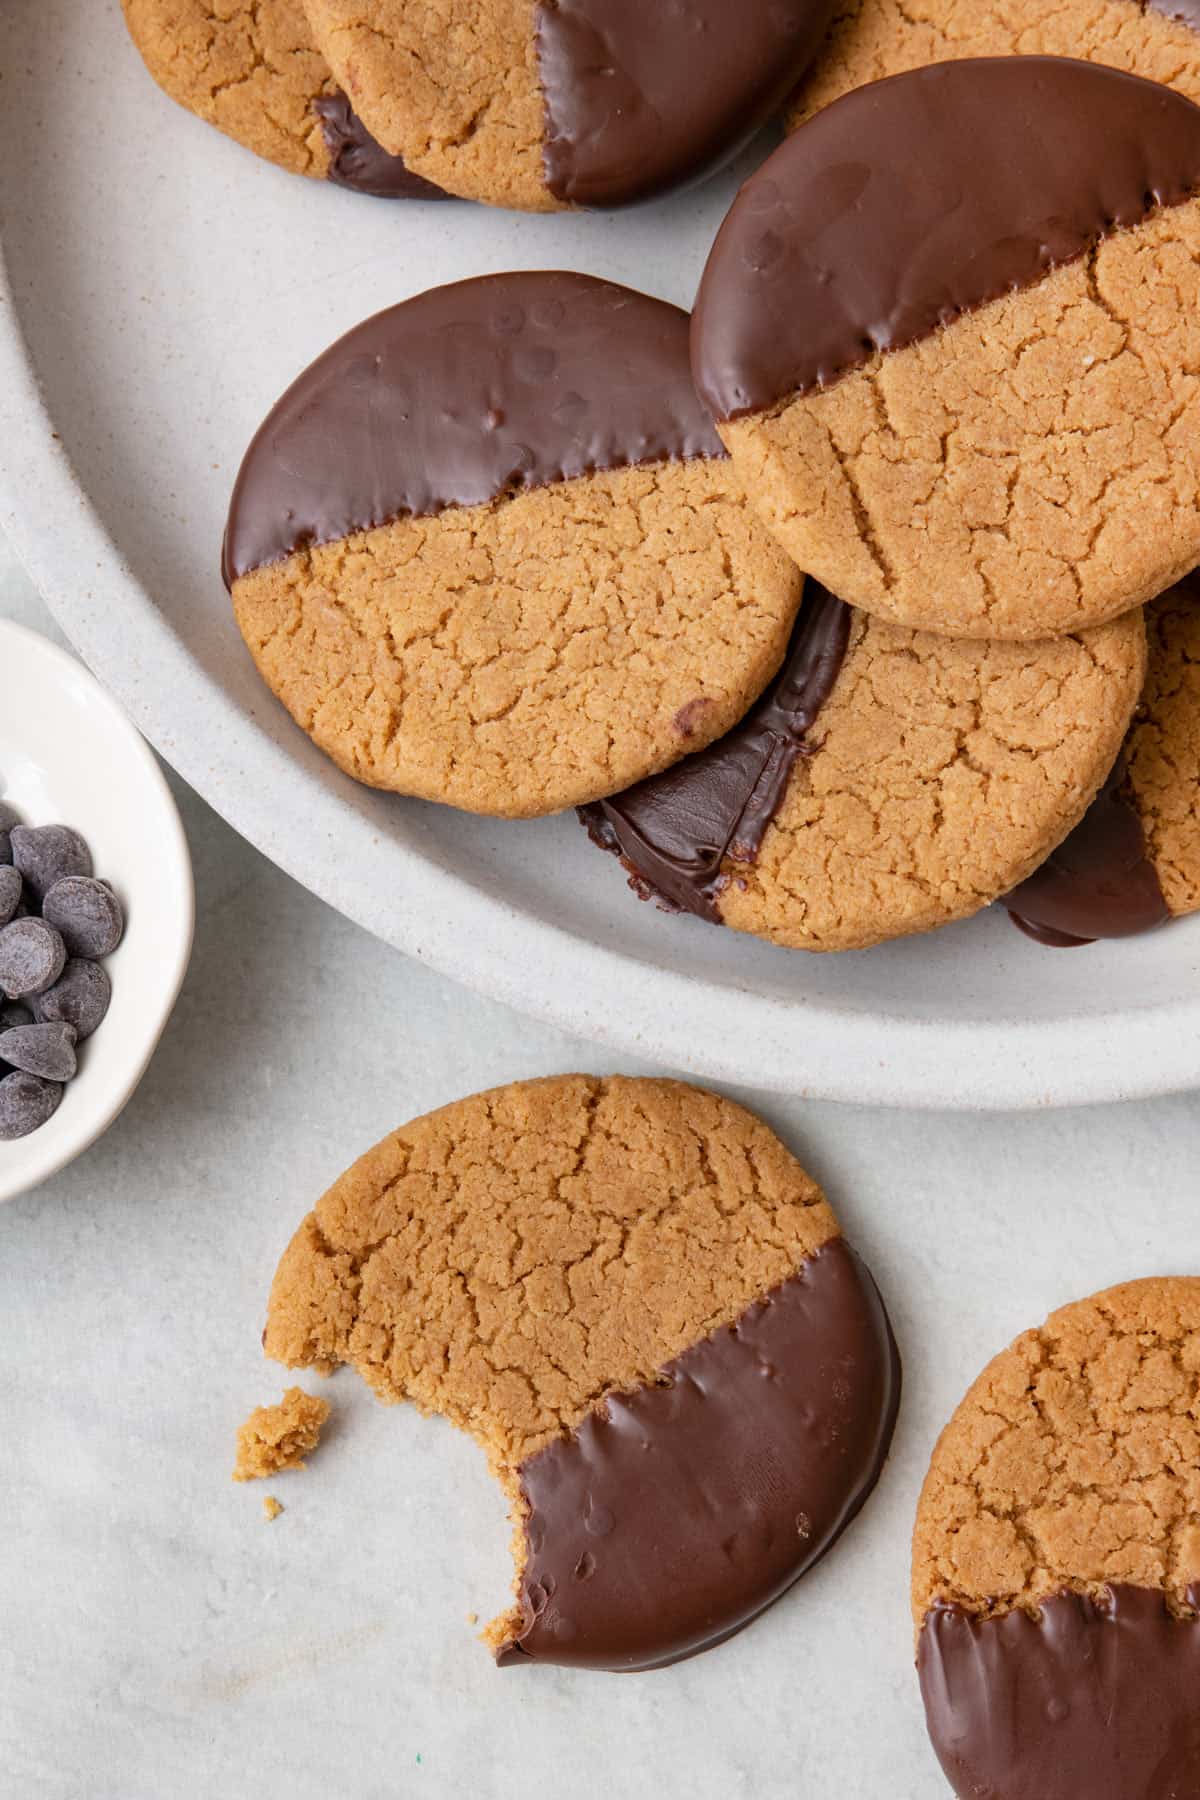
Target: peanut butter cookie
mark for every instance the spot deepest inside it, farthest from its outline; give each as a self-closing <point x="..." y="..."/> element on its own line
<point x="633" y="1297"/>
<point x="252" y="69"/>
<point x="871" y="39"/>
<point x="950" y="331"/>
<point x="544" y="104"/>
<point x="888" y="782"/>
<point x="1056" y="1559"/>
<point x="489" y="550"/>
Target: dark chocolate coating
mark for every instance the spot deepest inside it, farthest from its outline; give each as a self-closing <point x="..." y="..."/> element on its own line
<point x="675" y="1514"/>
<point x="358" y="161"/>
<point x="486" y="387"/>
<point x="642" y="95"/>
<point x="674" y="830"/>
<point x="1099" y="883"/>
<point x="915" y="199"/>
<point x="1088" y="1702"/>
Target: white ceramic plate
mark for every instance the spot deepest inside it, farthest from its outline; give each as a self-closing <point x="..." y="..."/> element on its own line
<point x="68" y="755"/>
<point x="163" y="287"/>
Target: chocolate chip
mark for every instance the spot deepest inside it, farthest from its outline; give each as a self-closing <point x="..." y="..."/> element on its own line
<point x="79" y="997"/>
<point x="10" y="892"/>
<point x="46" y="1050"/>
<point x="45" y="853"/>
<point x="26" y="1101"/>
<point x="32" y="956"/>
<point x="86" y="914"/>
<point x="8" y="818"/>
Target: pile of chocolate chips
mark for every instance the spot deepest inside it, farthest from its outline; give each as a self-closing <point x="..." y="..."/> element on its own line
<point x="56" y="921"/>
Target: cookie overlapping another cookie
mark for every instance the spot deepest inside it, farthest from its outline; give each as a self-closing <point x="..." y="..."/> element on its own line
<point x="950" y="333"/>
<point x="489" y="550"/>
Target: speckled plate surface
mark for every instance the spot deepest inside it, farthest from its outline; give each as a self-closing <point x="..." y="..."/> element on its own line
<point x="162" y="288"/>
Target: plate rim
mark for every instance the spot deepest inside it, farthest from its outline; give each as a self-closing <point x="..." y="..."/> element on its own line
<point x="454" y="927"/>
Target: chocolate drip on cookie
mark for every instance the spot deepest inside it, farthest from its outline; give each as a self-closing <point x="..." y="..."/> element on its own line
<point x="642" y="97"/>
<point x="466" y="393"/>
<point x="1092" y="1699"/>
<point x="358" y="161"/>
<point x="674" y="831"/>
<point x="913" y="200"/>
<point x="1099" y="883"/>
<point x="676" y="1513"/>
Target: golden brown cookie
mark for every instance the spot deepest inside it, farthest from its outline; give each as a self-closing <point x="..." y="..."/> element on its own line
<point x="1056" y="1559"/>
<point x="251" y="68"/>
<point x="889" y="781"/>
<point x="634" y="1298"/>
<point x="959" y="381"/>
<point x="871" y="39"/>
<point x="1133" y="861"/>
<point x="544" y="104"/>
<point x="488" y="550"/>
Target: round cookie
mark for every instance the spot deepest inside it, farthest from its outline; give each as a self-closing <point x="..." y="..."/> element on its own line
<point x="958" y="383"/>
<point x="1134" y="859"/>
<point x="871" y="39"/>
<point x="1056" y="1559"/>
<point x="889" y="781"/>
<point x="634" y="1298"/>
<point x="251" y="68"/>
<point x="545" y="104"/>
<point x="488" y="549"/>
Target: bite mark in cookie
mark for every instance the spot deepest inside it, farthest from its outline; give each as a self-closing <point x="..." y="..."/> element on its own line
<point x="640" y="1305"/>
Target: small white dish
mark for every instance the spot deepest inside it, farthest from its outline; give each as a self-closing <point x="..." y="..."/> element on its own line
<point x="68" y="755"/>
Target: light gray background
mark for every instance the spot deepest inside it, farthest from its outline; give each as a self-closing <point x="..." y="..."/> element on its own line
<point x="159" y="1639"/>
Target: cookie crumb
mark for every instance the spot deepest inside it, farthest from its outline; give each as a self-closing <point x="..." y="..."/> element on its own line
<point x="472" y="1618"/>
<point x="279" y="1437"/>
<point x="271" y="1507"/>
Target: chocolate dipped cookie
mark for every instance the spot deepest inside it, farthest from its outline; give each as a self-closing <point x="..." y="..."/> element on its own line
<point x="489" y="550"/>
<point x="871" y="39"/>
<point x="949" y="333"/>
<point x="1133" y="861"/>
<point x="548" y="104"/>
<point x="1056" y="1559"/>
<point x="888" y="781"/>
<point x="252" y="69"/>
<point x="637" y="1302"/>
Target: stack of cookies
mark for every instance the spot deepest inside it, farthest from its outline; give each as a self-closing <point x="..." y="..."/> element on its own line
<point x="856" y="605"/>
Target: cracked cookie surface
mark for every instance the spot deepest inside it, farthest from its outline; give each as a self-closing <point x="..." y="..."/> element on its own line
<point x="1163" y="750"/>
<point x="1032" y="469"/>
<point x="249" y="67"/>
<point x="534" y="653"/>
<point x="1073" y="1461"/>
<point x="631" y="1295"/>
<point x="871" y="39"/>
<point x="942" y="772"/>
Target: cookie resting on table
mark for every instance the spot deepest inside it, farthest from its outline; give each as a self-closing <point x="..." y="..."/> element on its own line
<point x="546" y="104"/>
<point x="634" y="1298"/>
<point x="1133" y="862"/>
<point x="871" y="39"/>
<point x="1056" y="1559"/>
<point x="949" y="332"/>
<point x="888" y="782"/>
<point x="252" y="69"/>
<point x="488" y="549"/>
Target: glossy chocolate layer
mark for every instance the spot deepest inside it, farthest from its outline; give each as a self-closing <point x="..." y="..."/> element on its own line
<point x="1087" y="1702"/>
<point x="467" y="392"/>
<point x="1099" y="883"/>
<point x="641" y="95"/>
<point x="915" y="199"/>
<point x="357" y="161"/>
<point x="675" y="1514"/>
<point x="674" y="830"/>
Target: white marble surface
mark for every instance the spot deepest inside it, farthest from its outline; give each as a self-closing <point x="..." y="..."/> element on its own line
<point x="159" y="1639"/>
